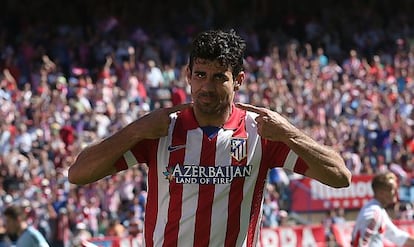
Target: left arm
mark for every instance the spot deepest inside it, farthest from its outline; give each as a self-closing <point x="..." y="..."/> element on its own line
<point x="396" y="235"/>
<point x="325" y="164"/>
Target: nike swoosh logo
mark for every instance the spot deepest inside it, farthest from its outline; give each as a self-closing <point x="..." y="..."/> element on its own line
<point x="175" y="148"/>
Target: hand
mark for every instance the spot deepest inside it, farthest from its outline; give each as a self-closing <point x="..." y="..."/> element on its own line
<point x="155" y="124"/>
<point x="270" y="125"/>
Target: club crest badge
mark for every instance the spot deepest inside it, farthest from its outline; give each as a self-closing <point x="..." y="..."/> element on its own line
<point x="238" y="148"/>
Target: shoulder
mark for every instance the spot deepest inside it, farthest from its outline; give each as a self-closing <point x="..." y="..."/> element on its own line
<point x="32" y="237"/>
<point x="372" y="210"/>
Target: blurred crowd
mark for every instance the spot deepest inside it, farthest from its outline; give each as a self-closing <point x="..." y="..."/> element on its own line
<point x="345" y="76"/>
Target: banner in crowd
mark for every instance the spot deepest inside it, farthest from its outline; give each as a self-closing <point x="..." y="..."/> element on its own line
<point x="311" y="195"/>
<point x="295" y="236"/>
<point x="342" y="232"/>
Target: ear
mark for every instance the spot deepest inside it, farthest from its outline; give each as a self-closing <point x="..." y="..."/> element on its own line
<point x="239" y="80"/>
<point x="188" y="74"/>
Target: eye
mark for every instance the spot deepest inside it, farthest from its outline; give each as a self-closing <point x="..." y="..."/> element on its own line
<point x="221" y="78"/>
<point x="199" y="75"/>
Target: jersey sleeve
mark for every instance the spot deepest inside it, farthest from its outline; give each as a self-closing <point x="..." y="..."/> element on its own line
<point x="278" y="154"/>
<point x="140" y="153"/>
<point x="393" y="233"/>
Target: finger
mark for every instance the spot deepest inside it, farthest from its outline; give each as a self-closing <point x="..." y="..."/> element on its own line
<point x="179" y="107"/>
<point x="262" y="119"/>
<point x="247" y="107"/>
<point x="266" y="118"/>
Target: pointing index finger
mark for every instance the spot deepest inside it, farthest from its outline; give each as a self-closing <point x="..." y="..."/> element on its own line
<point x="252" y="108"/>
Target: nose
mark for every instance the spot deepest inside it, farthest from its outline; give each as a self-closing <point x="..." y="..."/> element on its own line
<point x="208" y="85"/>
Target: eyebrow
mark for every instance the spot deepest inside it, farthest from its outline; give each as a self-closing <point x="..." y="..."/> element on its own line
<point x="219" y="74"/>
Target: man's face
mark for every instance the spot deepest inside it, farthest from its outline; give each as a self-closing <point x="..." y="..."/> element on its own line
<point x="212" y="86"/>
<point x="387" y="194"/>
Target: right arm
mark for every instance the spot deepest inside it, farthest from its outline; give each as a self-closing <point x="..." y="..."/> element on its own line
<point x="396" y="235"/>
<point x="324" y="163"/>
<point x="97" y="161"/>
<point x="409" y="241"/>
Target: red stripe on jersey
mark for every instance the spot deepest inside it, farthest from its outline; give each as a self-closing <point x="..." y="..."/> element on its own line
<point x="234" y="210"/>
<point x="271" y="150"/>
<point x="282" y="150"/>
<point x="121" y="165"/>
<point x="205" y="196"/>
<point x="190" y="119"/>
<point x="174" y="215"/>
<point x="300" y="166"/>
<point x="152" y="199"/>
<point x="355" y="242"/>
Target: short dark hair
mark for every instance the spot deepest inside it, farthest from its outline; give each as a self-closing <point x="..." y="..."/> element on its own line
<point x="15" y="212"/>
<point x="227" y="47"/>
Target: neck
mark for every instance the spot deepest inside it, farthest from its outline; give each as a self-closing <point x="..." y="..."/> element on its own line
<point x="382" y="202"/>
<point x="23" y="227"/>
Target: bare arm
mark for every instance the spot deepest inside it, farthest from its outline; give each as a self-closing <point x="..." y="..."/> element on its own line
<point x="97" y="161"/>
<point x="325" y="164"/>
<point x="410" y="241"/>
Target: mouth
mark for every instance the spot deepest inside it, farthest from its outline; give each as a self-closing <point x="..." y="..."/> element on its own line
<point x="207" y="97"/>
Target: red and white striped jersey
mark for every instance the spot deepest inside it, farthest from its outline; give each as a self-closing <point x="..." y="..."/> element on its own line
<point x="207" y="192"/>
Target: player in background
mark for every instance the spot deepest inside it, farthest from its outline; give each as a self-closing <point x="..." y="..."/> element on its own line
<point x="373" y="223"/>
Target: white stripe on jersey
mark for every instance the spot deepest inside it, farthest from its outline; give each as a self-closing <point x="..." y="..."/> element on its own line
<point x="130" y="159"/>
<point x="220" y="205"/>
<point x="254" y="147"/>
<point x="163" y="186"/>
<point x="290" y="161"/>
<point x="190" y="191"/>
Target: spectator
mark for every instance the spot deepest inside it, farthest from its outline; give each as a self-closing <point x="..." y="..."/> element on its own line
<point x="19" y="229"/>
<point x="4" y="239"/>
<point x="135" y="229"/>
<point x="271" y="207"/>
<point x="116" y="229"/>
<point x="81" y="234"/>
